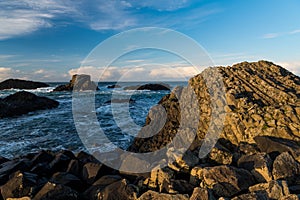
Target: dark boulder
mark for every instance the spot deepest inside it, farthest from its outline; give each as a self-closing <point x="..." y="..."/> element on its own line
<point x="91" y="171"/>
<point x="24" y="102"/>
<point x="118" y="190"/>
<point x="21" y="184"/>
<point x="79" y="82"/>
<point x="120" y="101"/>
<point x="21" y="84"/>
<point x="99" y="185"/>
<point x="153" y="87"/>
<point x="227" y="181"/>
<point x="7" y="168"/>
<point x="67" y="179"/>
<point x="113" y="86"/>
<point x="270" y="144"/>
<point x="285" y="167"/>
<point x="56" y="192"/>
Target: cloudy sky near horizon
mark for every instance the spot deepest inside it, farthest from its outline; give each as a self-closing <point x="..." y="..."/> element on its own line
<point x="47" y="40"/>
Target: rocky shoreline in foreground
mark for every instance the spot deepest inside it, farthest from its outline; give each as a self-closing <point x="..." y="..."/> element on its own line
<point x="257" y="155"/>
<point x="269" y="169"/>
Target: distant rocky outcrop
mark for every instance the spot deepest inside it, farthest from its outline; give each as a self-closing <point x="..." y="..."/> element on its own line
<point x="120" y="101"/>
<point x="21" y="84"/>
<point x="24" y="102"/>
<point x="152" y="86"/>
<point x="114" y="86"/>
<point x="79" y="82"/>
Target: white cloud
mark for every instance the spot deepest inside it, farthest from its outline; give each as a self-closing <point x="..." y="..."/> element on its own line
<point x="276" y="35"/>
<point x="138" y="73"/>
<point x="271" y="35"/>
<point x="19" y="17"/>
<point x="38" y="75"/>
<point x="22" y="17"/>
<point x="293" y="66"/>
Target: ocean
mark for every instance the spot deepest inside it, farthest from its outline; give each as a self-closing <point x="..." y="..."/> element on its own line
<point x="55" y="129"/>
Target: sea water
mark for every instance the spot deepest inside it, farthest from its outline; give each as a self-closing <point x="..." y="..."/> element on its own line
<point x="55" y="130"/>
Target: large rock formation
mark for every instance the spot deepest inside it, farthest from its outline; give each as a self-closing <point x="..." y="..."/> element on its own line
<point x="21" y="84"/>
<point x="260" y="99"/>
<point x="79" y="82"/>
<point x="24" y="102"/>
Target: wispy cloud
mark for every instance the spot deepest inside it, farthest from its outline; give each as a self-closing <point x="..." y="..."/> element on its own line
<point x="19" y="17"/>
<point x="293" y="66"/>
<point x="276" y="35"/>
<point x="37" y="75"/>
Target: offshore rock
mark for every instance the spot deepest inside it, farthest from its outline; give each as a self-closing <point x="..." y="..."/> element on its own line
<point x="79" y="82"/>
<point x="21" y="84"/>
<point x="24" y="102"/>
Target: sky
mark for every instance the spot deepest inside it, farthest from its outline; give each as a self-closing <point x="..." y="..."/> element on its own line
<point x="49" y="40"/>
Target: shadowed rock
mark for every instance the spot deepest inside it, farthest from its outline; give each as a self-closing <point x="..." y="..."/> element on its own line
<point x="153" y="87"/>
<point x="79" y="82"/>
<point x="21" y="84"/>
<point x="24" y="102"/>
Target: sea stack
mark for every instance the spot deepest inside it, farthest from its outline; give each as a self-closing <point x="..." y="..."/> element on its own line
<point x="79" y="82"/>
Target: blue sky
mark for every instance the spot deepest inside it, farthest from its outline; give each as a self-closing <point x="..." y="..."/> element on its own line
<point x="47" y="40"/>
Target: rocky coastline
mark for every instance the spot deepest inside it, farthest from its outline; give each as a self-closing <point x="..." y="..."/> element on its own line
<point x="257" y="155"/>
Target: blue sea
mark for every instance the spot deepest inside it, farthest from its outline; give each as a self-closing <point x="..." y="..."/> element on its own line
<point x="55" y="129"/>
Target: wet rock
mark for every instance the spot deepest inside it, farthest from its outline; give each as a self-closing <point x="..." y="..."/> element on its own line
<point x="149" y="195"/>
<point x="285" y="167"/>
<point x="60" y="162"/>
<point x="21" y="84"/>
<point x="93" y="191"/>
<point x="56" y="192"/>
<point x="259" y="165"/>
<point x="227" y="181"/>
<point x="79" y="82"/>
<point x="85" y="157"/>
<point x="42" y="169"/>
<point x="75" y="167"/>
<point x="3" y="160"/>
<point x="67" y="179"/>
<point x="91" y="172"/>
<point x="153" y="87"/>
<point x="113" y="86"/>
<point x="24" y="102"/>
<point x="120" y="101"/>
<point x="10" y="167"/>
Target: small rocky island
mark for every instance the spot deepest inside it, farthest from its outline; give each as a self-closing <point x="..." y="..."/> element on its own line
<point x="149" y="86"/>
<point x="79" y="82"/>
<point x="21" y="84"/>
<point x="257" y="155"/>
<point x="24" y="102"/>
